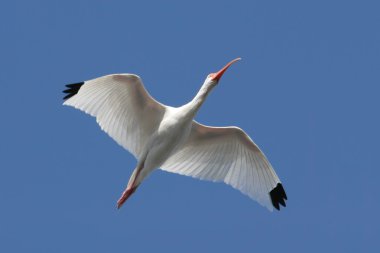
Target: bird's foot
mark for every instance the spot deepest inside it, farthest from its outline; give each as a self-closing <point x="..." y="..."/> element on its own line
<point x="126" y="194"/>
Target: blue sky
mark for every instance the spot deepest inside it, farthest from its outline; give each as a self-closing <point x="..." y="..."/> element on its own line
<point x="307" y="91"/>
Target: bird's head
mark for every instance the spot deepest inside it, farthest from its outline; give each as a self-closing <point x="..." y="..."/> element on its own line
<point x="214" y="78"/>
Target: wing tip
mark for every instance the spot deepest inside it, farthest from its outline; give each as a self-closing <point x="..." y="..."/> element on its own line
<point x="73" y="89"/>
<point x="278" y="196"/>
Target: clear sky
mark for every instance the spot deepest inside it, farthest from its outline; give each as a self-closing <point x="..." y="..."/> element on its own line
<point x="307" y="91"/>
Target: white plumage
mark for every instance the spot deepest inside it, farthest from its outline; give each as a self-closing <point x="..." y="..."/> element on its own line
<point x="165" y="137"/>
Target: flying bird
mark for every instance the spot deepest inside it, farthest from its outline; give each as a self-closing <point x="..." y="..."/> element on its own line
<point x="169" y="138"/>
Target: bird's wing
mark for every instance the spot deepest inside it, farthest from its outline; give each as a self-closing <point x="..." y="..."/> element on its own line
<point x="122" y="107"/>
<point x="227" y="154"/>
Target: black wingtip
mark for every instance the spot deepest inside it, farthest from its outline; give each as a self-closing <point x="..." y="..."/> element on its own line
<point x="73" y="89"/>
<point x="278" y="196"/>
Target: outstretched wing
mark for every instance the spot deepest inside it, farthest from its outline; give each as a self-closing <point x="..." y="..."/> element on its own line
<point x="122" y="107"/>
<point x="227" y="154"/>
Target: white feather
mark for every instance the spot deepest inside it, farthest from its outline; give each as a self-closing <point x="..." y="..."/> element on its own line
<point x="225" y="154"/>
<point x="123" y="109"/>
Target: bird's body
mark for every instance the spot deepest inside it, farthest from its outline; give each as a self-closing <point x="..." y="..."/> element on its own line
<point x="165" y="140"/>
<point x="165" y="137"/>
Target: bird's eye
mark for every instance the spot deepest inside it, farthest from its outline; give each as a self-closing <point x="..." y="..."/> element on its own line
<point x="211" y="75"/>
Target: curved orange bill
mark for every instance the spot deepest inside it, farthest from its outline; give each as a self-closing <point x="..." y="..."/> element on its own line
<point x="219" y="74"/>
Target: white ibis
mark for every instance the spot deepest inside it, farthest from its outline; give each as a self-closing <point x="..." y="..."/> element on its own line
<point x="169" y="138"/>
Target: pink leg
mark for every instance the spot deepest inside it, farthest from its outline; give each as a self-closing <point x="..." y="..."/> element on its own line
<point x="131" y="188"/>
<point x="126" y="194"/>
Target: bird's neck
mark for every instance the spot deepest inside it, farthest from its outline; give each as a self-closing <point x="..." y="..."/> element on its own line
<point x="194" y="105"/>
